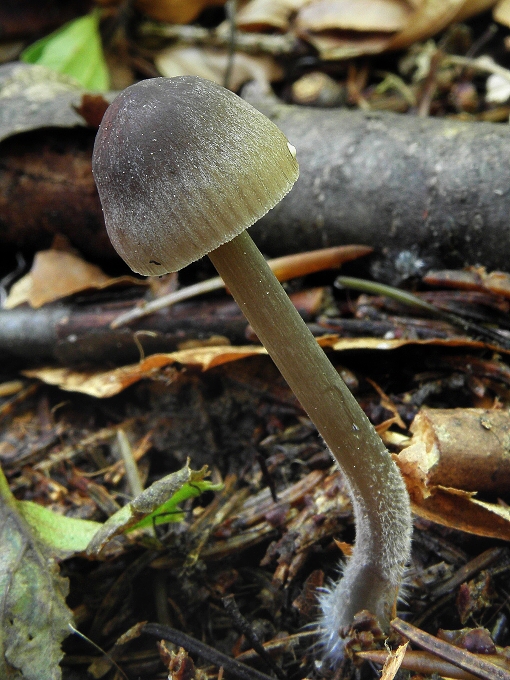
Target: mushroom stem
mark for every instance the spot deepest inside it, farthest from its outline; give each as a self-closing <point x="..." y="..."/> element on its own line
<point x="381" y="504"/>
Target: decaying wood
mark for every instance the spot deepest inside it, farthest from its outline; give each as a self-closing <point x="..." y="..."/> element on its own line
<point x="462" y="448"/>
<point x="424" y="192"/>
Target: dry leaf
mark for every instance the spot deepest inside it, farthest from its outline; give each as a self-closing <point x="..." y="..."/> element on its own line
<point x="212" y="64"/>
<point x="339" y="29"/>
<point x="502" y="12"/>
<point x="56" y="274"/>
<point x="473" y="278"/>
<point x="175" y="11"/>
<point x="380" y="16"/>
<point x="430" y="17"/>
<point x="102" y="384"/>
<point x="459" y="510"/>
<point x="472" y="7"/>
<point x="264" y="15"/>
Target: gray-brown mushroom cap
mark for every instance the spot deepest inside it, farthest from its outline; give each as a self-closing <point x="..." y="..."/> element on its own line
<point x="182" y="166"/>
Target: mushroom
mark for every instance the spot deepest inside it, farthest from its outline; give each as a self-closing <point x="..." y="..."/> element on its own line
<point x="183" y="168"/>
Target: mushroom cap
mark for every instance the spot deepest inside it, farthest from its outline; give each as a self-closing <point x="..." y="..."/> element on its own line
<point x="183" y="166"/>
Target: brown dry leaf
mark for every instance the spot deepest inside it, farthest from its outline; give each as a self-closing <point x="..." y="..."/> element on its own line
<point x="107" y="383"/>
<point x="430" y="17"/>
<point x="102" y="384"/>
<point x="502" y="12"/>
<point x="381" y="16"/>
<point x="425" y="663"/>
<point x="463" y="448"/>
<point x="56" y="274"/>
<point x="459" y="510"/>
<point x="472" y="7"/>
<point x="264" y="15"/>
<point x="497" y="282"/>
<point x="339" y="29"/>
<point x="343" y="344"/>
<point x="175" y="11"/>
<point x="473" y="278"/>
<point x="212" y="64"/>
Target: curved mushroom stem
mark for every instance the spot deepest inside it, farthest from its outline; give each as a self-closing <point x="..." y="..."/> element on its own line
<point x="381" y="504"/>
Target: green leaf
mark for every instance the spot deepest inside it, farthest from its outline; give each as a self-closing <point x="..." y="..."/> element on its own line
<point x="74" y="49"/>
<point x="148" y="502"/>
<point x="169" y="511"/>
<point x="34" y="618"/>
<point x="64" y="536"/>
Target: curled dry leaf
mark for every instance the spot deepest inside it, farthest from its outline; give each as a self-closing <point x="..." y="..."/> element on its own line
<point x="212" y="64"/>
<point x="341" y="28"/>
<point x="102" y="384"/>
<point x="56" y="274"/>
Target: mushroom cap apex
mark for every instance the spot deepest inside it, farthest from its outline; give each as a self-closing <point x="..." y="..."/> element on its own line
<point x="182" y="166"/>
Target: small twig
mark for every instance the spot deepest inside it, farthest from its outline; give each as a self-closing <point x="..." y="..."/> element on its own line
<point x="251" y="43"/>
<point x="231" y="8"/>
<point x="422" y="663"/>
<point x="132" y="473"/>
<point x="231" y="667"/>
<point x="100" y="649"/>
<point x="243" y="626"/>
<point x="455" y="655"/>
<point x="286" y="267"/>
<point x="402" y="296"/>
<point x="469" y="570"/>
<point x="167" y="300"/>
<point x="484" y="64"/>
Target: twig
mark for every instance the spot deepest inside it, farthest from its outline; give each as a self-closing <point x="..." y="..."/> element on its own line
<point x="286" y="267"/>
<point x="406" y="298"/>
<point x="231" y="667"/>
<point x="251" y="43"/>
<point x="455" y="655"/>
<point x="484" y="64"/>
<point x="243" y="626"/>
<point x="469" y="570"/>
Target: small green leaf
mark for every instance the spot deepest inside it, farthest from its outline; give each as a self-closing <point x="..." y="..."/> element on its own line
<point x="74" y="49"/>
<point x="169" y="511"/>
<point x="148" y="502"/>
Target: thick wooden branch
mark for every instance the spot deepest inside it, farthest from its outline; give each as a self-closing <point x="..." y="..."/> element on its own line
<point x="439" y="188"/>
<point x="423" y="192"/>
